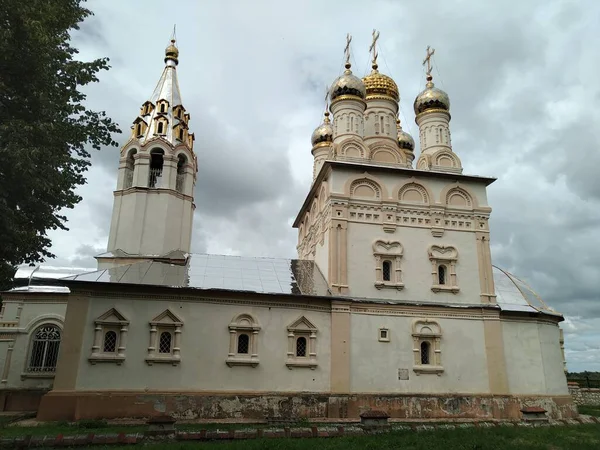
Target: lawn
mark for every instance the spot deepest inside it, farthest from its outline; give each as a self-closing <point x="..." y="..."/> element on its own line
<point x="580" y="437"/>
<point x="589" y="410"/>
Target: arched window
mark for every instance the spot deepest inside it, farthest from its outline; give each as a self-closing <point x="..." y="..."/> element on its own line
<point x="243" y="343"/>
<point x="110" y="342"/>
<point x="424" y="353"/>
<point x="301" y="346"/>
<point x="138" y="130"/>
<point x="164" y="342"/>
<point x="156" y="168"/>
<point x="387" y="270"/>
<point x="180" y="182"/>
<point x="44" y="349"/>
<point x="441" y="274"/>
<point x="160" y="128"/>
<point x="129" y="169"/>
<point x="163" y="107"/>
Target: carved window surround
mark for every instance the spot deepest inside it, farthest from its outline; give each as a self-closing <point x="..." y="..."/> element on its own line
<point x="166" y="322"/>
<point x="388" y="251"/>
<point x="427" y="331"/>
<point x="302" y="328"/>
<point x="110" y="321"/>
<point x="447" y="256"/>
<point x="248" y="325"/>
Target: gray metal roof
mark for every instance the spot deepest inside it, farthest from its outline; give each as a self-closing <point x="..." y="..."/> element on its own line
<point x="238" y="273"/>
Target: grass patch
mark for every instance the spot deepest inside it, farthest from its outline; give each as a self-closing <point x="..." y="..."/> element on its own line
<point x="580" y="437"/>
<point x="589" y="410"/>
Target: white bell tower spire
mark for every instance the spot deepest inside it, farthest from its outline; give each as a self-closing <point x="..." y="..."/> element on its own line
<point x="154" y="200"/>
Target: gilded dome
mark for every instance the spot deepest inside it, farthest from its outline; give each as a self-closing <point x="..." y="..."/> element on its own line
<point x="347" y="84"/>
<point x="405" y="140"/>
<point x="431" y="98"/>
<point x="172" y="52"/>
<point x="378" y="84"/>
<point x="323" y="133"/>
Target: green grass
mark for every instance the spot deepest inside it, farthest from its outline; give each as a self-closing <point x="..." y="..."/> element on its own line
<point x="580" y="437"/>
<point x="589" y="410"/>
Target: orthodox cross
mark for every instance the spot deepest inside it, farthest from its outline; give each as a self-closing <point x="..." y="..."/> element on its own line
<point x="347" y="49"/>
<point x="373" y="47"/>
<point x="326" y="98"/>
<point x="427" y="59"/>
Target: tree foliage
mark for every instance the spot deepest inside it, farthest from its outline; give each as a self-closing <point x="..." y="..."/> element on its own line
<point x="46" y="131"/>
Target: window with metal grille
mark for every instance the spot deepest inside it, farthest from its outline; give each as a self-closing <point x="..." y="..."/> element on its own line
<point x="164" y="342"/>
<point x="442" y="274"/>
<point x="44" y="349"/>
<point x="424" y="352"/>
<point x="301" y="346"/>
<point x="387" y="270"/>
<point x="243" y="343"/>
<point x="110" y="342"/>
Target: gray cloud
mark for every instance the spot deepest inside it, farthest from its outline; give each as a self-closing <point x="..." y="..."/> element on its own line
<point x="252" y="74"/>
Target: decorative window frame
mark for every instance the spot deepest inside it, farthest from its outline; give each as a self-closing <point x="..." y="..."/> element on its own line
<point x="443" y="255"/>
<point x="427" y="330"/>
<point x="165" y="126"/>
<point x="139" y="127"/>
<point x="165" y="322"/>
<point x="388" y="251"/>
<point x="147" y="108"/>
<point x="302" y="327"/>
<point x="28" y="372"/>
<point x="243" y="324"/>
<point x="159" y="106"/>
<point x="383" y="334"/>
<point x="111" y="320"/>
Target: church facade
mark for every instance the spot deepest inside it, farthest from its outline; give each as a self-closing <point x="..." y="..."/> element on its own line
<point x="393" y="302"/>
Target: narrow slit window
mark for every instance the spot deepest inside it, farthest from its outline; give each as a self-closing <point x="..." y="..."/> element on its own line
<point x="301" y="346"/>
<point x="382" y="126"/>
<point x="164" y="343"/>
<point x="387" y="270"/>
<point x="424" y="353"/>
<point x="160" y="128"/>
<point x="110" y="342"/>
<point x="243" y="343"/>
<point x="442" y="275"/>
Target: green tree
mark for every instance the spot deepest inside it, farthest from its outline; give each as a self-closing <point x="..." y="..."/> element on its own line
<point x="46" y="131"/>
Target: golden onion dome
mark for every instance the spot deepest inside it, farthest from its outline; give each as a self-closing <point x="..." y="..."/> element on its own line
<point x="431" y="98"/>
<point x="378" y="85"/>
<point x="323" y="134"/>
<point x="347" y="84"/>
<point x="172" y="52"/>
<point x="405" y="140"/>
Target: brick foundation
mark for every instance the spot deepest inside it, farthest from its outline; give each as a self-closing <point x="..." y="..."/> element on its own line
<point x="73" y="405"/>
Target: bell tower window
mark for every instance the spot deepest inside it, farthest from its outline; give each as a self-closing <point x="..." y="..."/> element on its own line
<point x="129" y="169"/>
<point x="160" y="128"/>
<point x="156" y="168"/>
<point x="180" y="182"/>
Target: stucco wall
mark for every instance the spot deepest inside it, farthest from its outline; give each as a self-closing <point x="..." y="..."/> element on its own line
<point x="204" y="349"/>
<point x="374" y="364"/>
<point x="415" y="264"/>
<point x="33" y="314"/>
<point x="533" y="358"/>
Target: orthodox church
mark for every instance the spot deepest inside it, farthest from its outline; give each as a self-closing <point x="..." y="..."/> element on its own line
<point x="393" y="303"/>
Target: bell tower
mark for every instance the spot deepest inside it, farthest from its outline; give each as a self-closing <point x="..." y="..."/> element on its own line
<point x="154" y="201"/>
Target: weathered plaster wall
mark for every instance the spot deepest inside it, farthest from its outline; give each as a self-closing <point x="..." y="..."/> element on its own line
<point x="375" y="364"/>
<point x="204" y="349"/>
<point x="19" y="322"/>
<point x="533" y="358"/>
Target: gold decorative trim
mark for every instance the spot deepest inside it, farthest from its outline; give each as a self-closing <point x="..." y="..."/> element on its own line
<point x="432" y="111"/>
<point x="347" y="97"/>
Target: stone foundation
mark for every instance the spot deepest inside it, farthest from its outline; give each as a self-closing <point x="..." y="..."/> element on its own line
<point x="74" y="405"/>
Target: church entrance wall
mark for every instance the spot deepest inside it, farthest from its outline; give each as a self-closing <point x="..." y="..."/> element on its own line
<point x="59" y="405"/>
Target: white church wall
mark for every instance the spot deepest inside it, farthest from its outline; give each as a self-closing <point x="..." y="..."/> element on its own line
<point x="556" y="380"/>
<point x="533" y="358"/>
<point x="204" y="346"/>
<point x="375" y="365"/>
<point x="322" y="254"/>
<point x="415" y="264"/>
<point x="28" y="316"/>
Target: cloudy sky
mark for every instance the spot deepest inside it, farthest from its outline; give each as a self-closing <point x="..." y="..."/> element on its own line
<point x="522" y="77"/>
